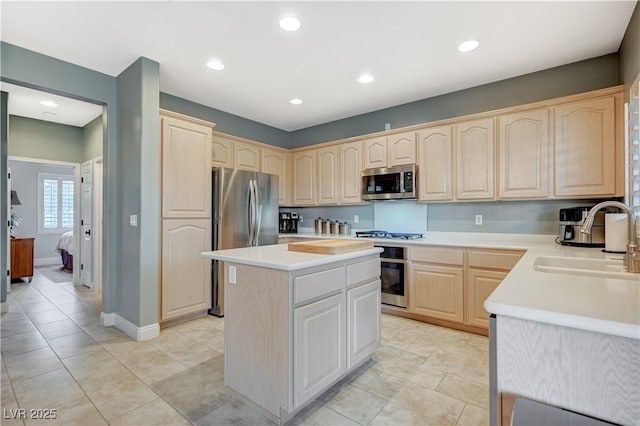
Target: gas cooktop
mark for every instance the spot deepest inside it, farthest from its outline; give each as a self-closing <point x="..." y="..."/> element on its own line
<point x="390" y="235"/>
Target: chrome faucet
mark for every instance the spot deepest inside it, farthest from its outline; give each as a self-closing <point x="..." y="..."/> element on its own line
<point x="632" y="258"/>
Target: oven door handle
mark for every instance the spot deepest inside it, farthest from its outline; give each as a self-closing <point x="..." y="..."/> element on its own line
<point x="384" y="259"/>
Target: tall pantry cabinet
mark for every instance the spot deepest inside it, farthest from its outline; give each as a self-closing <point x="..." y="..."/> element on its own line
<point x="186" y="215"/>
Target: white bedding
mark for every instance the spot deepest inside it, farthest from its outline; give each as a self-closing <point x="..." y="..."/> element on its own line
<point x="65" y="243"/>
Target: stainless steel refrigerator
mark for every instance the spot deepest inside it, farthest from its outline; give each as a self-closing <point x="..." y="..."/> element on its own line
<point x="245" y="214"/>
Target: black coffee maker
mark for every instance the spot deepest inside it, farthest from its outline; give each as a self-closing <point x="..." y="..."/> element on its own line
<point x="288" y="222"/>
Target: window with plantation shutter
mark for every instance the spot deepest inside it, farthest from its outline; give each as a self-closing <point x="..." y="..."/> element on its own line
<point x="55" y="203"/>
<point x="633" y="147"/>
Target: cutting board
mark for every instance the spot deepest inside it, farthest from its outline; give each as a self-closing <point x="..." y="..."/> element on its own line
<point x="330" y="246"/>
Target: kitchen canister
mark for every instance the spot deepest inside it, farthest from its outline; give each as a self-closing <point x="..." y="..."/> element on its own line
<point x="325" y="227"/>
<point x="344" y="228"/>
<point x="615" y="232"/>
<point x="333" y="227"/>
<point x="318" y="225"/>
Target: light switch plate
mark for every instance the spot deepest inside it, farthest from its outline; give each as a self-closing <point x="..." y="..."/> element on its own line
<point x="232" y="275"/>
<point x="133" y="220"/>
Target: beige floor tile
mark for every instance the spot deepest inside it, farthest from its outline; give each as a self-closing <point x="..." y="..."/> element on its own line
<point x="14" y="314"/>
<point x="56" y="329"/>
<point x="466" y="390"/>
<point x="152" y="365"/>
<point x="78" y="412"/>
<point x="184" y="349"/>
<point x="357" y="404"/>
<point x="32" y="364"/>
<point x="202" y="336"/>
<point x="117" y="394"/>
<point x="47" y="316"/>
<point x="426" y="376"/>
<point x="19" y="326"/>
<point x="91" y="366"/>
<point x="39" y="306"/>
<point x="73" y="344"/>
<point x="123" y="348"/>
<point x="473" y="416"/>
<point x="234" y="412"/>
<point x="434" y="405"/>
<point x="479" y="342"/>
<point x="385" y="385"/>
<point x="316" y="414"/>
<point x="74" y="307"/>
<point x="102" y="334"/>
<point x="402" y="368"/>
<point x="21" y="343"/>
<point x="363" y="375"/>
<point x="83" y="318"/>
<point x="47" y="390"/>
<point x="467" y="364"/>
<point x="397" y="415"/>
<point x="156" y="412"/>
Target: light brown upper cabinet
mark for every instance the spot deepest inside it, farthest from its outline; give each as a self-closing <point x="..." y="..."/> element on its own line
<point x="276" y="162"/>
<point x="435" y="161"/>
<point x="328" y="175"/>
<point x="350" y="155"/>
<point x="523" y="151"/>
<point x="388" y="151"/>
<point x="186" y="169"/>
<point x="221" y="152"/>
<point x="246" y="156"/>
<point x="585" y="148"/>
<point x="304" y="177"/>
<point x="474" y="160"/>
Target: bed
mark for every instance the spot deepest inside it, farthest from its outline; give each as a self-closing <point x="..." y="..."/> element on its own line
<point x="65" y="248"/>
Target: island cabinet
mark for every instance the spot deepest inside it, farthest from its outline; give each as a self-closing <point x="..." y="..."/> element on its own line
<point x="290" y="335"/>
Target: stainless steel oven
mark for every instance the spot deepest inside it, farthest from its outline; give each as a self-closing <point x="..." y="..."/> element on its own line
<point x="393" y="269"/>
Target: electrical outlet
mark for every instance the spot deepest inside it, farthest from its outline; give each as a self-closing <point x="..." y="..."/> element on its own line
<point x="133" y="220"/>
<point x="478" y="219"/>
<point x="387" y="126"/>
<point x="300" y="218"/>
<point x="232" y="275"/>
<point x="356" y="218"/>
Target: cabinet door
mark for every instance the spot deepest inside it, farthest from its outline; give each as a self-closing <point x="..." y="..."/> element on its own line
<point x="304" y="178"/>
<point x="21" y="257"/>
<point x="328" y="175"/>
<point x="350" y="175"/>
<point x="221" y="152"/>
<point x="401" y="149"/>
<point x="246" y="156"/>
<point x="186" y="276"/>
<point x="437" y="291"/>
<point x="186" y="169"/>
<point x="319" y="346"/>
<point x="435" y="160"/>
<point x="480" y="285"/>
<point x="585" y="148"/>
<point x="523" y="143"/>
<point x="375" y="152"/>
<point x="474" y="155"/>
<point x="277" y="163"/>
<point x="363" y="322"/>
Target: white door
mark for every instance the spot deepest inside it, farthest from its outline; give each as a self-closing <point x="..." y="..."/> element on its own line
<point x="86" y="212"/>
<point x="97" y="224"/>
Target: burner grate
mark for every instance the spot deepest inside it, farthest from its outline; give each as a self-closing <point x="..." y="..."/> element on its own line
<point x="389" y="235"/>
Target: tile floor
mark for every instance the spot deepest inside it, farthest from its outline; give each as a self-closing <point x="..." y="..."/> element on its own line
<point x="56" y="355"/>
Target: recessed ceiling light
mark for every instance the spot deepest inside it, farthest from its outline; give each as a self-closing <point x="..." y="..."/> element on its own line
<point x="365" y="78"/>
<point x="290" y="23"/>
<point x="49" y="104"/>
<point x="296" y="101"/>
<point x="468" y="46"/>
<point x="215" y="64"/>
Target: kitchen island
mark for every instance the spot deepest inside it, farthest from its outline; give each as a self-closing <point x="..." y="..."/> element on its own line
<point x="296" y="323"/>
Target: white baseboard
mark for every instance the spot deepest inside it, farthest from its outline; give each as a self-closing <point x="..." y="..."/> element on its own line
<point x="4" y="307"/>
<point x="44" y="261"/>
<point x="138" y="334"/>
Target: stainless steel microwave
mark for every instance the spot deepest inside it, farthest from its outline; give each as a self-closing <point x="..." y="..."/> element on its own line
<point x="390" y="183"/>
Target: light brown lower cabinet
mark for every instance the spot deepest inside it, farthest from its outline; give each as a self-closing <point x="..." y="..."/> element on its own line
<point x="437" y="291"/>
<point x="480" y="285"/>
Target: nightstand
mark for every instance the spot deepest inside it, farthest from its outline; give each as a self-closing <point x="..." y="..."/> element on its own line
<point x="22" y="258"/>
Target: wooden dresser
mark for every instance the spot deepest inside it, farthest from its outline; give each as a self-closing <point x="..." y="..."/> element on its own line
<point x="22" y="258"/>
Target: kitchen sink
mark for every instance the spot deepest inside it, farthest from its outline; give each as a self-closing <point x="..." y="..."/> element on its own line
<point x="604" y="268"/>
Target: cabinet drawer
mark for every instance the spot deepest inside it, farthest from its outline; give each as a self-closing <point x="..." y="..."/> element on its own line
<point x="494" y="259"/>
<point x="363" y="271"/>
<point x="310" y="286"/>
<point x="447" y="256"/>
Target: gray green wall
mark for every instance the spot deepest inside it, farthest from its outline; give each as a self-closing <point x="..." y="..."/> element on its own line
<point x="31" y="138"/>
<point x="630" y="52"/>
<point x="225" y="122"/>
<point x="591" y="74"/>
<point x="92" y="139"/>
<point x="138" y="173"/>
<point x="34" y="70"/>
<point x="4" y="121"/>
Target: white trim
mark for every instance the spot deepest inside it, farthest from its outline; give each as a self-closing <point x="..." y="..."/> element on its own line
<point x="42" y="161"/>
<point x="45" y="261"/>
<point x="4" y="307"/>
<point x="138" y="334"/>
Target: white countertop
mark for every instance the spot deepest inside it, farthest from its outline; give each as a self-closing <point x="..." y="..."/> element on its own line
<point x="279" y="257"/>
<point x="605" y="305"/>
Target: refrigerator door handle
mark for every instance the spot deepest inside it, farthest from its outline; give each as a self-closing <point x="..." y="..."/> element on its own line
<point x="251" y="213"/>
<point x="256" y="205"/>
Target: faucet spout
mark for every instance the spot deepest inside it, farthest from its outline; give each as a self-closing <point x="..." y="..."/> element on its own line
<point x="632" y="258"/>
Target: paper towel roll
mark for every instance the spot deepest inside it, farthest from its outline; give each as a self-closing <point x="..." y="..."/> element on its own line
<point x="615" y="232"/>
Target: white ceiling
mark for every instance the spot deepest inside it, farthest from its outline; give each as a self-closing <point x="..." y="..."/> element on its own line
<point x="410" y="47"/>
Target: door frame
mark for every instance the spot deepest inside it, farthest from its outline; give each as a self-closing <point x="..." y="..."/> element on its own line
<point x="76" y="200"/>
